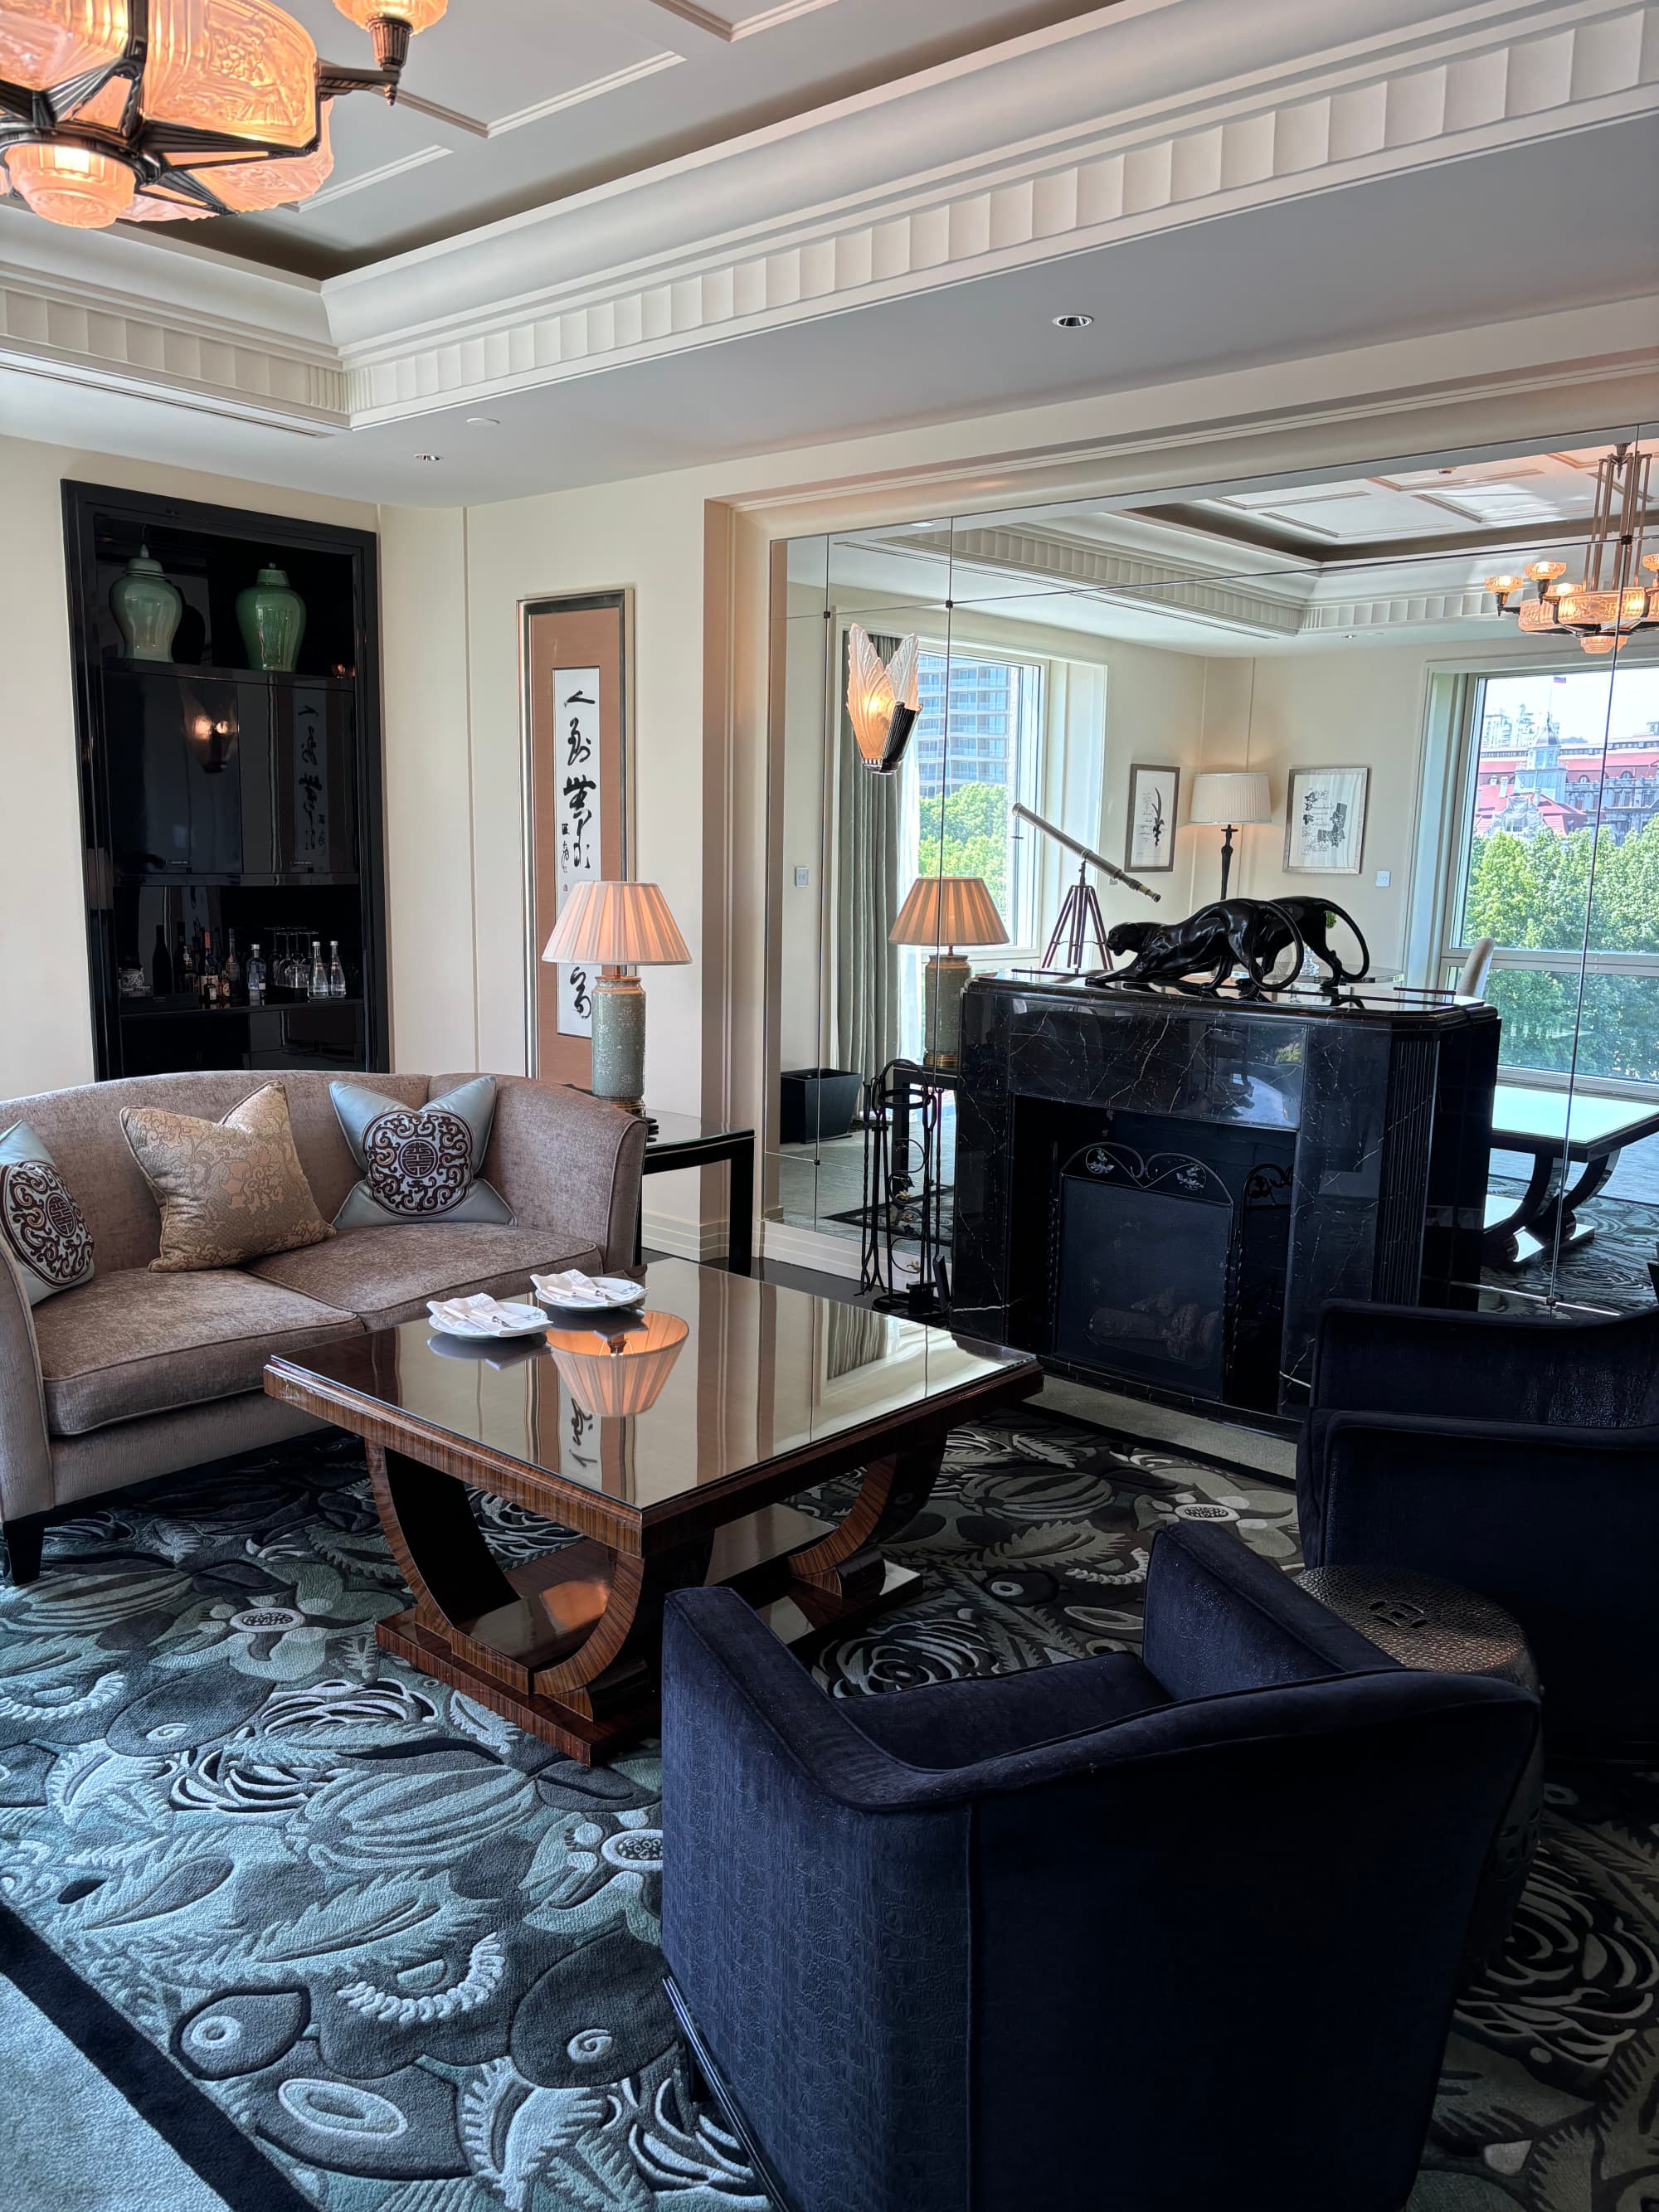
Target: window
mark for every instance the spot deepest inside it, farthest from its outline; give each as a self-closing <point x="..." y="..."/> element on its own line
<point x="977" y="748"/>
<point x="1557" y="862"/>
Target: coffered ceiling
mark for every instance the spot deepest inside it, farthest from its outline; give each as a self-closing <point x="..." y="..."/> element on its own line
<point x="699" y="229"/>
<point x="577" y="93"/>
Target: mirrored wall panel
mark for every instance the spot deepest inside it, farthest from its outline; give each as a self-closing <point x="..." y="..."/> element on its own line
<point x="1340" y="792"/>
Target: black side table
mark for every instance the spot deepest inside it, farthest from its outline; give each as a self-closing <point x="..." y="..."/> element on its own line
<point x="1423" y="1622"/>
<point x="686" y="1141"/>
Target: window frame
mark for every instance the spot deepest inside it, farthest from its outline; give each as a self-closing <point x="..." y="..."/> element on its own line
<point x="1454" y="946"/>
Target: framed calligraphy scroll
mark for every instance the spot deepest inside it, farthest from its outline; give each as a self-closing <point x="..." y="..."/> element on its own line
<point x="576" y="659"/>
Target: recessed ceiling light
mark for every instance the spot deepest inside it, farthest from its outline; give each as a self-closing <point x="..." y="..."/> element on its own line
<point x="1072" y="322"/>
<point x="485" y="422"/>
<point x="428" y="457"/>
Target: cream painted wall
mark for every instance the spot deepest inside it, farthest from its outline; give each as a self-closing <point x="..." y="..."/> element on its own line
<point x="45" y="1020"/>
<point x="1360" y="704"/>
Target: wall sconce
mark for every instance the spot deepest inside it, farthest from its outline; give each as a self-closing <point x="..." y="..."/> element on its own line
<point x="883" y="699"/>
<point x="213" y="733"/>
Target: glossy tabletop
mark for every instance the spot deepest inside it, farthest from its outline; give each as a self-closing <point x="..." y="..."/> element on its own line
<point x="674" y="1132"/>
<point x="717" y="1377"/>
<point x="1522" y="1117"/>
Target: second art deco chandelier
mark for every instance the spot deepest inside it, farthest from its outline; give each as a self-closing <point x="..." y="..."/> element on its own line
<point x="1618" y="591"/>
<point x="157" y="110"/>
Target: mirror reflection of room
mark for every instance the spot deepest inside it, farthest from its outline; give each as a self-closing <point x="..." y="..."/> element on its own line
<point x="1309" y="692"/>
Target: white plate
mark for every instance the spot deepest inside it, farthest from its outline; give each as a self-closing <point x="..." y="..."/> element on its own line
<point x="528" y="1320"/>
<point x="617" y="1293"/>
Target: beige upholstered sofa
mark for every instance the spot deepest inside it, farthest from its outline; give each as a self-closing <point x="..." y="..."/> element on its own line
<point x="134" y="1374"/>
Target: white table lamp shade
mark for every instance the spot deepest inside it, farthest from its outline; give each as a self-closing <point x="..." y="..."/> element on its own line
<point x="949" y="910"/>
<point x="616" y="924"/>
<point x="1234" y="797"/>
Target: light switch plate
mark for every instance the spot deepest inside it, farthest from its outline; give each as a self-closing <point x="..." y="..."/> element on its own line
<point x="803" y="877"/>
<point x="1384" y="880"/>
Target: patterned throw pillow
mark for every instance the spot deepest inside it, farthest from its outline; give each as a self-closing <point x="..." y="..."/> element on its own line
<point x="418" y="1162"/>
<point x="42" y="1225"/>
<point x="228" y="1191"/>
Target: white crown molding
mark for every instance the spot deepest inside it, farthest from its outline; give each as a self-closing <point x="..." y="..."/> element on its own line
<point x="563" y="292"/>
<point x="596" y="87"/>
<point x="366" y="178"/>
<point x="1511" y="74"/>
<point x="722" y="26"/>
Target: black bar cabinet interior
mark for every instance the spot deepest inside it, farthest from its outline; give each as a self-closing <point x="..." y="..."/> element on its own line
<point x="219" y="798"/>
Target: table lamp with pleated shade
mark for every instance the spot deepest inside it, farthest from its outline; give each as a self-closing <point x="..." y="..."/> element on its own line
<point x="1226" y="801"/>
<point x="620" y="1375"/>
<point x="945" y="911"/>
<point x="615" y="927"/>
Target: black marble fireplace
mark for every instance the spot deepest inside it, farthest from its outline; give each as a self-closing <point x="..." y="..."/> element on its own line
<point x="1162" y="1190"/>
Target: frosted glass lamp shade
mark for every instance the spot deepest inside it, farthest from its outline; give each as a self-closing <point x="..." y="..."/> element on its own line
<point x="948" y="911"/>
<point x="618" y="925"/>
<point x="883" y="699"/>
<point x="615" y="1378"/>
<point x="419" y="15"/>
<point x="241" y="66"/>
<point x="1223" y="799"/>
<point x="72" y="184"/>
<point x="46" y="42"/>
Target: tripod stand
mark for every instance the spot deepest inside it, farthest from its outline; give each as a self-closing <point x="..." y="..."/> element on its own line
<point x="1079" y="921"/>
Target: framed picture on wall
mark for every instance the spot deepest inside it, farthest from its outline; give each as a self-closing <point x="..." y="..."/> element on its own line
<point x="576" y="667"/>
<point x="1149" y="841"/>
<point x="1324" y="821"/>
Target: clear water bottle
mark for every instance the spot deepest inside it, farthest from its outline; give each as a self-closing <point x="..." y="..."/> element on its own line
<point x="337" y="983"/>
<point x="256" y="979"/>
<point x="318" y="972"/>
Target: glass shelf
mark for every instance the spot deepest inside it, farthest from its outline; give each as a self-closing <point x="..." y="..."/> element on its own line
<point x="208" y="673"/>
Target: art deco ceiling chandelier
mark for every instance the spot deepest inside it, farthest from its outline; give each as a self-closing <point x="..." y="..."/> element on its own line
<point x="1611" y="598"/>
<point x="156" y="111"/>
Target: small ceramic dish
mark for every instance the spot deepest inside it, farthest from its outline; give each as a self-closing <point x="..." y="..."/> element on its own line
<point x="516" y="1319"/>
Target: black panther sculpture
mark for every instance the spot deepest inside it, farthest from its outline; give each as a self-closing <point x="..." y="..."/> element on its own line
<point x="1253" y="934"/>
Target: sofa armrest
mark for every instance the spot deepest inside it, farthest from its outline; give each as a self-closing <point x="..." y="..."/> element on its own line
<point x="566" y="1161"/>
<point x="1219" y="1619"/>
<point x="24" y="1447"/>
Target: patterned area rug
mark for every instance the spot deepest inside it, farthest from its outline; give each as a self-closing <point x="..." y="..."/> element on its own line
<point x="411" y="1953"/>
<point x="1610" y="1271"/>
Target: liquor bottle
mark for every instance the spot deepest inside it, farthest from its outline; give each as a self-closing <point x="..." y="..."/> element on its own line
<point x="337" y="983"/>
<point x="318" y="973"/>
<point x="256" y="978"/>
<point x="212" y="979"/>
<point x="160" y="965"/>
<point x="186" y="971"/>
<point x="233" y="976"/>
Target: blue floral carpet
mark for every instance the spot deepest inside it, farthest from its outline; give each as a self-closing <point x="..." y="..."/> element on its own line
<point x="410" y="1954"/>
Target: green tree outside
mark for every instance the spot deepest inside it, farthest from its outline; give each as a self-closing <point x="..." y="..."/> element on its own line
<point x="1536" y="890"/>
<point x="967" y="835"/>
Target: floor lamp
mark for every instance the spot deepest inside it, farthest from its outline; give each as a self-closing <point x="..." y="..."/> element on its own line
<point x="1228" y="802"/>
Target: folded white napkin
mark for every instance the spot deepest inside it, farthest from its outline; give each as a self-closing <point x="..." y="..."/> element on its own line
<point x="575" y="1289"/>
<point x="481" y="1314"/>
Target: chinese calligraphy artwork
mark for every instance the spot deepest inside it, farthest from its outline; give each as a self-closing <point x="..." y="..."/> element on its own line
<point x="575" y="655"/>
<point x="1324" y="821"/>
<point x="581" y="804"/>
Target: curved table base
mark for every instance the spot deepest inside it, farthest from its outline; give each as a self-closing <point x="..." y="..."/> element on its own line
<point x="567" y="1646"/>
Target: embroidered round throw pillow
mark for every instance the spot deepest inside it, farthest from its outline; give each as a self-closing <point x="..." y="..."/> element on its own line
<point x="418" y="1162"/>
<point x="45" y="1230"/>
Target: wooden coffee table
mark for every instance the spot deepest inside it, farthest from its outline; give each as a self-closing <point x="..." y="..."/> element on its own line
<point x="668" y="1444"/>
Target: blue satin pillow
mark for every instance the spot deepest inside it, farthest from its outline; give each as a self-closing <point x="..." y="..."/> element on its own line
<point x="418" y="1163"/>
<point x="44" y="1229"/>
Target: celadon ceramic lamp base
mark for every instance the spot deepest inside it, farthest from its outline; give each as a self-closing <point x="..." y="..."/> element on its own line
<point x="619" y="1040"/>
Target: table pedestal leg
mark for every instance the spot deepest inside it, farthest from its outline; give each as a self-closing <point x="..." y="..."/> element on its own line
<point x="565" y="1646"/>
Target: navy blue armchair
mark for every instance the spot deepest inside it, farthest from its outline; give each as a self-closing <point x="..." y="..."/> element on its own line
<point x="1157" y="1934"/>
<point x="1518" y="1457"/>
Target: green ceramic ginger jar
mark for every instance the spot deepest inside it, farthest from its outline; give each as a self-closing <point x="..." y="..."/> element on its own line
<point x="272" y="618"/>
<point x="146" y="608"/>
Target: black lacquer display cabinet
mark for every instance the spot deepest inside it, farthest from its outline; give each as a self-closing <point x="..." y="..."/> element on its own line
<point x="224" y="800"/>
